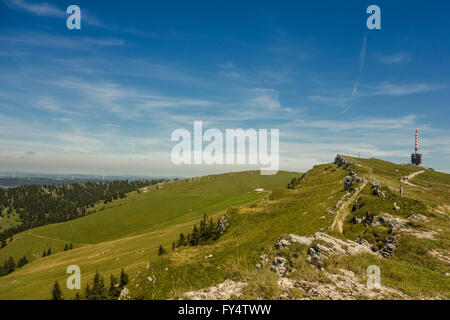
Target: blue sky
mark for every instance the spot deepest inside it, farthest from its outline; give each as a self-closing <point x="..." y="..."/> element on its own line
<point x="105" y="99"/>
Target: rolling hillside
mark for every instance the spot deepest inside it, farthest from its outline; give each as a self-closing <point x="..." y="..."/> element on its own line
<point x="313" y="240"/>
<point x="127" y="232"/>
<point x="407" y="238"/>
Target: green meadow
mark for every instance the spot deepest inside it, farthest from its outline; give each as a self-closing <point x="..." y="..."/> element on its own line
<point x="126" y="233"/>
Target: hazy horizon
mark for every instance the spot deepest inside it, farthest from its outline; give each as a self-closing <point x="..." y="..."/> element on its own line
<point x="105" y="99"/>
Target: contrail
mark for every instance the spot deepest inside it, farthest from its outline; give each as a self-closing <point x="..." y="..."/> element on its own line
<point x="362" y="58"/>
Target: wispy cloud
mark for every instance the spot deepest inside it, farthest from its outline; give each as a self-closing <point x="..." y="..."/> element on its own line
<point x="46" y="40"/>
<point x="391" y="89"/>
<point x="371" y="90"/>
<point x="362" y="59"/>
<point x="44" y="9"/>
<point x="396" y="58"/>
<point x="40" y="9"/>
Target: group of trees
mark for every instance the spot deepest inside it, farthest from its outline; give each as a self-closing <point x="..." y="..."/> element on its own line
<point x="37" y="205"/>
<point x="206" y="233"/>
<point x="47" y="253"/>
<point x="97" y="290"/>
<point x="295" y="182"/>
<point x="10" y="265"/>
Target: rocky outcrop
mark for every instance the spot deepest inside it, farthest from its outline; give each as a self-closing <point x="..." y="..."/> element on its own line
<point x="124" y="294"/>
<point x="377" y="190"/>
<point x="418" y="217"/>
<point x="341" y="162"/>
<point x="351" y="179"/>
<point x="226" y="290"/>
<point x="344" y="285"/>
<point x="279" y="266"/>
<point x="223" y="223"/>
<point x="357" y="205"/>
<point x="393" y="223"/>
<point x="322" y="245"/>
<point x="389" y="247"/>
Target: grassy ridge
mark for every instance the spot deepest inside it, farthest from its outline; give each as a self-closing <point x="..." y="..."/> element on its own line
<point x="302" y="211"/>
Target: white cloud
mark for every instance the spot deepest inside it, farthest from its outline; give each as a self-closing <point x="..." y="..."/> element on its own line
<point x="47" y="40"/>
<point x="40" y="9"/>
<point x="392" y="89"/>
<point x="396" y="58"/>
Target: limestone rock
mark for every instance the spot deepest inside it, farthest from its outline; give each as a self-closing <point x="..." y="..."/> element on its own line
<point x="417" y="217"/>
<point x="223" y="223"/>
<point x="223" y="291"/>
<point x="279" y="266"/>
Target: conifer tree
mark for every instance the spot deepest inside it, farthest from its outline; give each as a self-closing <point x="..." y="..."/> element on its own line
<point x="123" y="279"/>
<point x="71" y="246"/>
<point x="114" y="289"/>
<point x="44" y="254"/>
<point x="66" y="247"/>
<point x="161" y="250"/>
<point x="188" y="240"/>
<point x="98" y="291"/>
<point x="87" y="292"/>
<point x="23" y="261"/>
<point x="49" y="251"/>
<point x="211" y="229"/>
<point x="56" y="292"/>
<point x="11" y="265"/>
<point x="182" y="240"/>
<point x="195" y="239"/>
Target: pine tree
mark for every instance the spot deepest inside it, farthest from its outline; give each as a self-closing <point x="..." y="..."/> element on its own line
<point x="87" y="292"/>
<point x="161" y="250"/>
<point x="71" y="246"/>
<point x="181" y="240"/>
<point x="44" y="254"/>
<point x="189" y="240"/>
<point x="23" y="261"/>
<point x="49" y="251"/>
<point x="11" y="265"/>
<point x="123" y="279"/>
<point x="195" y="239"/>
<point x="211" y="229"/>
<point x="56" y="292"/>
<point x="114" y="290"/>
<point x="66" y="247"/>
<point x="98" y="291"/>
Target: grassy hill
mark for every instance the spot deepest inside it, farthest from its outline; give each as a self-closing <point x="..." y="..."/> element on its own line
<point x="412" y="272"/>
<point x="127" y="232"/>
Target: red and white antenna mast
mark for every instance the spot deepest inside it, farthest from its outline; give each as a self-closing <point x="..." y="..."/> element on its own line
<point x="417" y="140"/>
<point x="416" y="157"/>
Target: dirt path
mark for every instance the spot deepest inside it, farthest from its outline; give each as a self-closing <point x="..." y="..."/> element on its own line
<point x="412" y="175"/>
<point x="54" y="239"/>
<point x="343" y="210"/>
